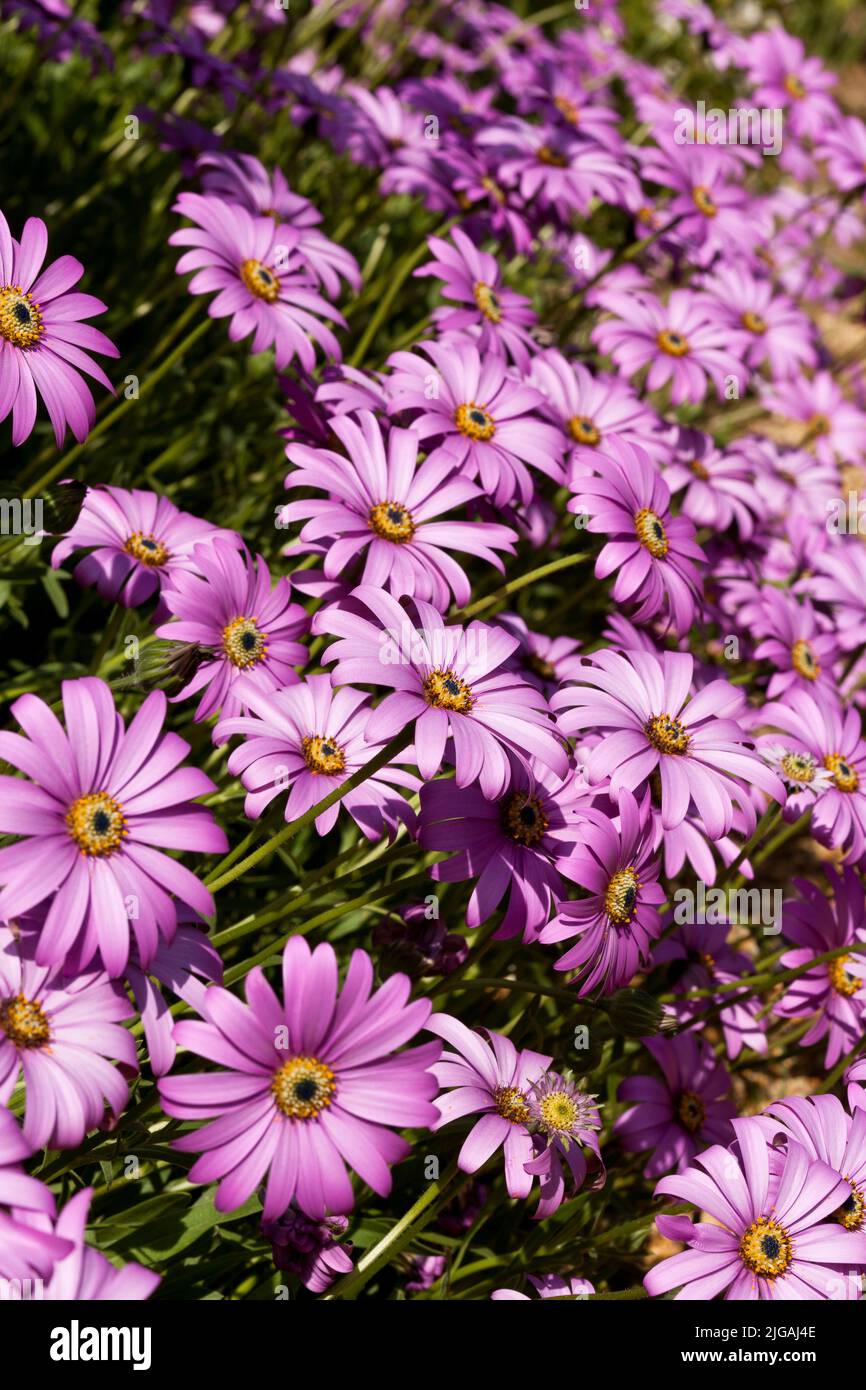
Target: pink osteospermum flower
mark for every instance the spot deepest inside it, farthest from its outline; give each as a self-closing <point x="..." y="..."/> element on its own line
<point x="802" y="649"/>
<point x="565" y="1121"/>
<point x="256" y="268"/>
<point x="511" y="846"/>
<point x="60" y="1033"/>
<point x="44" y="345"/>
<point x="486" y="422"/>
<point x="654" y="723"/>
<point x="449" y="682"/>
<point x="101" y="803"/>
<point x="833" y="427"/>
<point x="681" y="342"/>
<point x="768" y="1240"/>
<point x="492" y="1079"/>
<point x="717" y="485"/>
<point x="784" y="76"/>
<point x="185" y="966"/>
<point x="653" y="554"/>
<point x="544" y="661"/>
<point x="832" y="735"/>
<point x="780" y="334"/>
<point x="311" y="1082"/>
<point x="822" y="1125"/>
<point x="618" y="919"/>
<point x="496" y="318"/>
<point x="835" y="990"/>
<point x="241" y="178"/>
<point x="136" y="541"/>
<point x="384" y="505"/>
<point x="844" y="149"/>
<point x="588" y="408"/>
<point x="85" y="1275"/>
<point x="547" y="1286"/>
<point x="308" y="740"/>
<point x="554" y="170"/>
<point x="703" y="960"/>
<point x="227" y="606"/>
<point x="25" y="1253"/>
<point x="680" y="1113"/>
<point x="708" y="205"/>
<point x="840" y="581"/>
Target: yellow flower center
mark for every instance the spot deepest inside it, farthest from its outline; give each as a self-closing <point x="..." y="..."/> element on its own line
<point x="620" y="900"/>
<point x="260" y="280"/>
<point x="583" y="430"/>
<point x="843" y="983"/>
<point x="392" y="522"/>
<point x="302" y="1087"/>
<point x="850" y="1214"/>
<point x="20" y="320"/>
<point x="524" y="818"/>
<point x="487" y="302"/>
<point x="667" y="734"/>
<point x="323" y="755"/>
<point x="147" y="549"/>
<point x="690" y="1111"/>
<point x="97" y="824"/>
<point x="651" y="533"/>
<point x="512" y="1105"/>
<point x="699" y="470"/>
<point x="803" y="660"/>
<point x="475" y="422"/>
<point x="704" y="201"/>
<point x="243" y="643"/>
<point x="753" y="322"/>
<point x="444" y="690"/>
<point x="766" y="1248"/>
<point x="552" y="157"/>
<point x="567" y="108"/>
<point x="674" y="344"/>
<point x="817" y="425"/>
<point x="845" y="777"/>
<point x="794" y="87"/>
<point x="24" y="1022"/>
<point x="799" y="767"/>
<point x="490" y="186"/>
<point x="558" y="1113"/>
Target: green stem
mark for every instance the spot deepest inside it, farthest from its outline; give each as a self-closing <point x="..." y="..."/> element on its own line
<point x="515" y="585"/>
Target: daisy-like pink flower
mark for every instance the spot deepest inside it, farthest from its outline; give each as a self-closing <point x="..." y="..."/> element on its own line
<point x="497" y="319"/>
<point x="717" y="485"/>
<point x="705" y="960"/>
<point x="784" y="76"/>
<point x="618" y="920"/>
<point x="653" y="554"/>
<point x="708" y="206"/>
<point x="492" y="1079"/>
<point x="834" y="990"/>
<point x="44" y="345"/>
<point x="84" y="1275"/>
<point x="544" y="661"/>
<point x="241" y="178"/>
<point x="779" y="333"/>
<point x="484" y="420"/>
<point x="259" y="273"/>
<point x="25" y="1253"/>
<point x="833" y="428"/>
<point x="827" y="1132"/>
<point x="60" y="1033"/>
<point x="552" y="169"/>
<point x="311" y="1250"/>
<point x="770" y="1238"/>
<point x="447" y="680"/>
<point x="511" y="845"/>
<point x="226" y="605"/>
<point x="185" y="966"/>
<point x="101" y="803"/>
<point x="588" y="408"/>
<point x="832" y="735"/>
<point x="682" y="342"/>
<point x="384" y="505"/>
<point x="565" y="1122"/>
<point x="680" y="1113"/>
<point x="854" y="1078"/>
<point x="655" y="724"/>
<point x="844" y="149"/>
<point x="308" y="740"/>
<point x="136" y="541"/>
<point x="312" y="1082"/>
<point x="840" y="581"/>
<point x="547" y="1286"/>
<point x="802" y="649"/>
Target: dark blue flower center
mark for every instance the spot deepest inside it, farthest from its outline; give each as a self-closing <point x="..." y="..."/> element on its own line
<point x="22" y="314"/>
<point x="770" y="1247"/>
<point x="306" y="1090"/>
<point x="478" y="417"/>
<point x="101" y="822"/>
